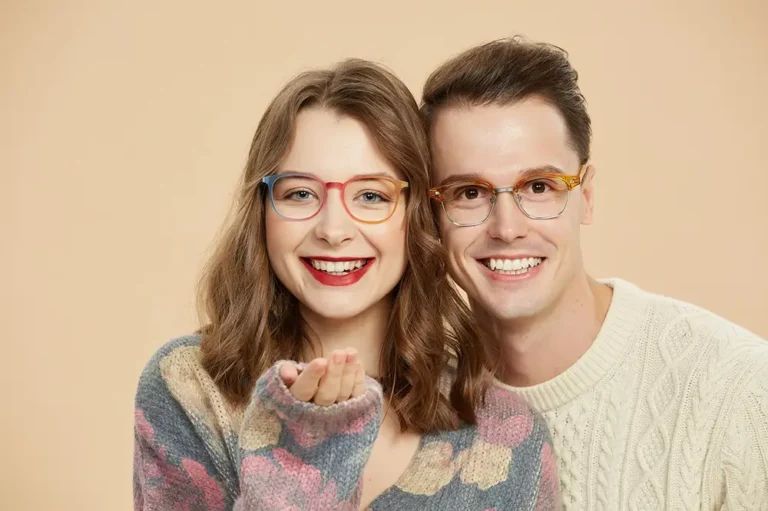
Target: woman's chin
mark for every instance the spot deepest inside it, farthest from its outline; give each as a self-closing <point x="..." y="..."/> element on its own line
<point x="331" y="306"/>
<point x="339" y="305"/>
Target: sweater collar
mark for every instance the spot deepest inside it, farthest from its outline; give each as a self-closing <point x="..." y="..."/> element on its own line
<point x="612" y="343"/>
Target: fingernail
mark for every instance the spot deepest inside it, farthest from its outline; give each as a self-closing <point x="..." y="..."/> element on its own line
<point x="339" y="357"/>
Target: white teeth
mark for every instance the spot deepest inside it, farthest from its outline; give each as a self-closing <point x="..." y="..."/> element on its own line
<point x="337" y="268"/>
<point x="512" y="266"/>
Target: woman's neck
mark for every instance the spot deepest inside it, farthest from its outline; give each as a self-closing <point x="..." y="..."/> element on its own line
<point x="365" y="332"/>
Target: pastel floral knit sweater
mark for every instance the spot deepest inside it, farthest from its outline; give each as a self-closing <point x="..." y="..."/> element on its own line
<point x="194" y="451"/>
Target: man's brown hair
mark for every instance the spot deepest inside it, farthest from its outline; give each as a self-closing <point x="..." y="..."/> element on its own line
<point x="506" y="71"/>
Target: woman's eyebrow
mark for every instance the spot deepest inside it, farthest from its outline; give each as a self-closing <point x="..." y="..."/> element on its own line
<point x="375" y="174"/>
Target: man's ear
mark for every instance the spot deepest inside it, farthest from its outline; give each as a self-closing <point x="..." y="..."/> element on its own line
<point x="588" y="194"/>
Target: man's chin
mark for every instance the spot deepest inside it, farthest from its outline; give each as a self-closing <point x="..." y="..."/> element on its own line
<point x="509" y="302"/>
<point x="510" y="309"/>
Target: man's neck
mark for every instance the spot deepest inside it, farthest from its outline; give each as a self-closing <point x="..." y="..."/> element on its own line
<point x="539" y="348"/>
<point x="365" y="332"/>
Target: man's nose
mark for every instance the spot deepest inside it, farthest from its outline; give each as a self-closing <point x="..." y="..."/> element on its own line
<point x="507" y="221"/>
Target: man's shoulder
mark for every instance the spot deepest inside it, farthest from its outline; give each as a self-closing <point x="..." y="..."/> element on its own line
<point x="672" y="320"/>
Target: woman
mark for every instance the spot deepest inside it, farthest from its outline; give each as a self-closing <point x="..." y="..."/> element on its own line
<point x="332" y="257"/>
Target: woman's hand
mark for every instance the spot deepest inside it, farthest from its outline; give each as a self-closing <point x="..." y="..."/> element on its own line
<point x="326" y="381"/>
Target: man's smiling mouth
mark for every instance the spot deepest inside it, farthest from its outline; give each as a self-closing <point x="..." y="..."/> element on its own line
<point x="517" y="266"/>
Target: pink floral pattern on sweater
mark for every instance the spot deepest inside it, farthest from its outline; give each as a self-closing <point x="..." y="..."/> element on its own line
<point x="157" y="475"/>
<point x="296" y="484"/>
<point x="509" y="428"/>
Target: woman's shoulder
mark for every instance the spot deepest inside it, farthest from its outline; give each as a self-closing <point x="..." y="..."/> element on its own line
<point x="170" y="362"/>
<point x="497" y="400"/>
<point x="175" y="379"/>
<point x="503" y="417"/>
<point x="506" y="418"/>
<point x="500" y="400"/>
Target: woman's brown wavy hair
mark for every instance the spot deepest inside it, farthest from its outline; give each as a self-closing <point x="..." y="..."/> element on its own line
<point x="252" y="320"/>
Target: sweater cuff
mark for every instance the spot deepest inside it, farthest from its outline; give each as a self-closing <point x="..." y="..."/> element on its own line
<point x="311" y="424"/>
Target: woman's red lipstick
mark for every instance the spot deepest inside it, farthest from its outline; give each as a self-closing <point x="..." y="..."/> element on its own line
<point x="337" y="280"/>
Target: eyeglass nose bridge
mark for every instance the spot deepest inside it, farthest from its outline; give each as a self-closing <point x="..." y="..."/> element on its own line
<point x="333" y="185"/>
<point x="505" y="189"/>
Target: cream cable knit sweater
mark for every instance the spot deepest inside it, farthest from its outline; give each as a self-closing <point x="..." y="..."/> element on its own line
<point x="668" y="409"/>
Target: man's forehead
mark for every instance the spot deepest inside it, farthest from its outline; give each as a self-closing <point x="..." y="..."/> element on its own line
<point x="499" y="139"/>
<point x="512" y="119"/>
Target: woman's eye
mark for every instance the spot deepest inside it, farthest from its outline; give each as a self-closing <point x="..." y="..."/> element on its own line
<point x="372" y="197"/>
<point x="300" y="195"/>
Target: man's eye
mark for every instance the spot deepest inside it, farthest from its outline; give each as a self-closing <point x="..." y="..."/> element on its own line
<point x="469" y="192"/>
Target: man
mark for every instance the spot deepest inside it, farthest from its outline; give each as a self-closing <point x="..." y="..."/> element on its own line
<point x="652" y="403"/>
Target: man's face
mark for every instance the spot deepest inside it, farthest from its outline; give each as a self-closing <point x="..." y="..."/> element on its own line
<point x="511" y="266"/>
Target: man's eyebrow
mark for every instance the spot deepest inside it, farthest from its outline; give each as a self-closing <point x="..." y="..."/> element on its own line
<point x="461" y="178"/>
<point x="476" y="176"/>
<point x="543" y="169"/>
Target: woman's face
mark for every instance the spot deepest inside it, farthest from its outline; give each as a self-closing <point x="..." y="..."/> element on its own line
<point x="336" y="266"/>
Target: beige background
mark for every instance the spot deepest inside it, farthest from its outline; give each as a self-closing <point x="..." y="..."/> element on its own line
<point x="124" y="126"/>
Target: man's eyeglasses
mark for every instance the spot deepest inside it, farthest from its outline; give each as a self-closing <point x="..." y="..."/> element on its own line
<point x="540" y="197"/>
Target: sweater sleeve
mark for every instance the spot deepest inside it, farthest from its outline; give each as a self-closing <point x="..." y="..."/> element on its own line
<point x="178" y="459"/>
<point x="297" y="455"/>
<point x="743" y="468"/>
